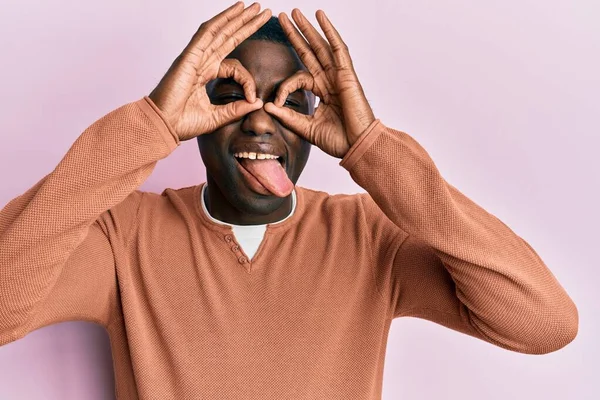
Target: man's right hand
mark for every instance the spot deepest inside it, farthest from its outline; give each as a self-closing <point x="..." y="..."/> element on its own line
<point x="181" y="94"/>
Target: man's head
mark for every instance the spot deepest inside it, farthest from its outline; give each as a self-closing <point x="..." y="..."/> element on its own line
<point x="270" y="59"/>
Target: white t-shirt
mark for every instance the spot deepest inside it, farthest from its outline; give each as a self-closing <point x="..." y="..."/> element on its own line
<point x="248" y="236"/>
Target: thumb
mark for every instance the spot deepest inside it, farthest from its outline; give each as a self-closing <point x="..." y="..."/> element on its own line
<point x="299" y="123"/>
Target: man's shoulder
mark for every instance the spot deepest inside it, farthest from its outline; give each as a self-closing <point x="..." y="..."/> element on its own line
<point x="315" y="197"/>
<point x="151" y="199"/>
<point x="342" y="204"/>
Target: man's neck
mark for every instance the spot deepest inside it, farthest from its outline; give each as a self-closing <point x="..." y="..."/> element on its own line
<point x="220" y="208"/>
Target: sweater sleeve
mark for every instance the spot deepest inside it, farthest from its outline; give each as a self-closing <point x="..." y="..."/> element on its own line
<point x="57" y="239"/>
<point x="438" y="255"/>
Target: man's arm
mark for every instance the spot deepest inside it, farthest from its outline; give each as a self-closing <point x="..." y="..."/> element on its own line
<point x="57" y="239"/>
<point x="444" y="258"/>
<point x="438" y="255"/>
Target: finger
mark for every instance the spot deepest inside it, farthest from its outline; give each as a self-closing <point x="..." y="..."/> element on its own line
<point x="339" y="48"/>
<point x="309" y="59"/>
<point x="322" y="86"/>
<point x="207" y="30"/>
<point x="225" y="114"/>
<point x="233" y="26"/>
<point x="242" y="34"/>
<point x="233" y="68"/>
<point x="300" y="80"/>
<point x="299" y="123"/>
<point x="317" y="42"/>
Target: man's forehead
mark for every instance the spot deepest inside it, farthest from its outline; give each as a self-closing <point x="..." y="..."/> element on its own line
<point x="267" y="61"/>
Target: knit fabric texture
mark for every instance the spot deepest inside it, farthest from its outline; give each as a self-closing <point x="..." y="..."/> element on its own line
<point x="190" y="316"/>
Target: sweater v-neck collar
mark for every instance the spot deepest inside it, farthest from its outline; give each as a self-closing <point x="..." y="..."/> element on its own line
<point x="276" y="227"/>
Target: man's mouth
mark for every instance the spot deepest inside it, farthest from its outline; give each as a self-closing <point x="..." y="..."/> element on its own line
<point x="259" y="156"/>
<point x="264" y="173"/>
<point x="254" y="156"/>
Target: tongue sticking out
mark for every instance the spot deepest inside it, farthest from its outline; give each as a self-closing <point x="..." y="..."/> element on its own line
<point x="270" y="174"/>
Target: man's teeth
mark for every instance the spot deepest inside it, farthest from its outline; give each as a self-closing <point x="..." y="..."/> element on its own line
<point x="254" y="156"/>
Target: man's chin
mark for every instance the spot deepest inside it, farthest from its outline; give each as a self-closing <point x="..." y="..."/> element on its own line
<point x="248" y="200"/>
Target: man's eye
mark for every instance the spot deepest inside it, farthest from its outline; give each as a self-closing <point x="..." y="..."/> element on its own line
<point x="291" y="103"/>
<point x="227" y="98"/>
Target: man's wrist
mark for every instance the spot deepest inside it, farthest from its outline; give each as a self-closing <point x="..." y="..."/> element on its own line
<point x="353" y="138"/>
<point x="360" y="145"/>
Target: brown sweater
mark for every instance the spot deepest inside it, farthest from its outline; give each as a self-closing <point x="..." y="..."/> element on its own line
<point x="190" y="317"/>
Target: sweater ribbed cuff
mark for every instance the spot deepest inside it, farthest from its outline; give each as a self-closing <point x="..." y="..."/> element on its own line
<point x="154" y="113"/>
<point x="363" y="143"/>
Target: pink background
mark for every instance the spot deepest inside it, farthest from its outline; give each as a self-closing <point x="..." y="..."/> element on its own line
<point x="503" y="95"/>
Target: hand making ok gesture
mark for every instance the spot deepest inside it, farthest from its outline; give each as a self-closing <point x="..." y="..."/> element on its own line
<point x="343" y="112"/>
<point x="181" y="94"/>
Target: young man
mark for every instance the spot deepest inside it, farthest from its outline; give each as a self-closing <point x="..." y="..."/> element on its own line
<point x="247" y="286"/>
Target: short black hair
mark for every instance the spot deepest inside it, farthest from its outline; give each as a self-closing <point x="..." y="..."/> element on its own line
<point x="271" y="31"/>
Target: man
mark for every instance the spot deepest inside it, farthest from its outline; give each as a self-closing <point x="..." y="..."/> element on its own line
<point x="247" y="286"/>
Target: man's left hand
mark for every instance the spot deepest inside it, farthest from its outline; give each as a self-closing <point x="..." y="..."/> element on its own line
<point x="343" y="113"/>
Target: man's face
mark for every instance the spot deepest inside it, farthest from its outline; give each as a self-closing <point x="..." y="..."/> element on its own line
<point x="270" y="64"/>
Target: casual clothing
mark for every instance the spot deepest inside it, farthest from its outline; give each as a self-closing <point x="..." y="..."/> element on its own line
<point x="190" y="316"/>
<point x="249" y="237"/>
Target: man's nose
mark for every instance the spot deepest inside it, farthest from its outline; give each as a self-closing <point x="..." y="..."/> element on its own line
<point x="258" y="122"/>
